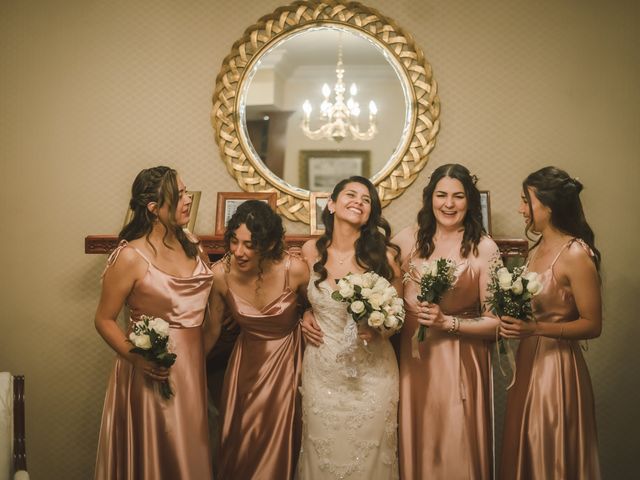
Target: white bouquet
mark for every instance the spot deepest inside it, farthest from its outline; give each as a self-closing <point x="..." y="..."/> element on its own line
<point x="150" y="338"/>
<point x="372" y="300"/>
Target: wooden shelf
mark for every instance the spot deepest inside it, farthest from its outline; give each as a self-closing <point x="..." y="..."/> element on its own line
<point x="213" y="245"/>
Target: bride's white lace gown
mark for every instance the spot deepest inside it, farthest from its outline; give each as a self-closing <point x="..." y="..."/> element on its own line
<point x="349" y="424"/>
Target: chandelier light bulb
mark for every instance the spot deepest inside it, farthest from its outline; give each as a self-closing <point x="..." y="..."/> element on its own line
<point x="306" y="106"/>
<point x="373" y="109"/>
<point x="326" y="90"/>
<point x="353" y="90"/>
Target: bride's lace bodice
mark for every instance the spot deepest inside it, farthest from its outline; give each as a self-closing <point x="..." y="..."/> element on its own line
<point x="349" y="422"/>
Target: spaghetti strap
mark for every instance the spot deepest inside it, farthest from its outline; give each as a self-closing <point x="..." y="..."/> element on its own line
<point x="287" y="264"/>
<point x="560" y="252"/>
<point x="113" y="257"/>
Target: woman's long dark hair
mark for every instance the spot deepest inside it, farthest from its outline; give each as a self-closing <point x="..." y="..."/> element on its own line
<point x="473" y="229"/>
<point x="375" y="236"/>
<point x="555" y="189"/>
<point x="159" y="185"/>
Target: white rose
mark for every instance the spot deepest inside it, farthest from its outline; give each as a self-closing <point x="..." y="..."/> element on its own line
<point x="517" y="287"/>
<point x="375" y="300"/>
<point x="534" y="287"/>
<point x="381" y="284"/>
<point x="391" y="322"/>
<point x="356" y="279"/>
<point x="368" y="280"/>
<point x="140" y="341"/>
<point x="376" y="319"/>
<point x="504" y="279"/>
<point x="388" y="294"/>
<point x="530" y="276"/>
<point x="347" y="291"/>
<point x="366" y="292"/>
<point x="343" y="283"/>
<point x="160" y="326"/>
<point x="433" y="270"/>
<point x="357" y="306"/>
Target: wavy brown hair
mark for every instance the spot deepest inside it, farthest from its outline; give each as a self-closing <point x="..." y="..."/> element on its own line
<point x="373" y="242"/>
<point x="159" y="185"/>
<point x="473" y="229"/>
<point x="555" y="189"/>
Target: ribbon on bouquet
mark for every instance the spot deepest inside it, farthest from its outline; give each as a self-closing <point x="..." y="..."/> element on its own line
<point x="508" y="352"/>
<point x="415" y="344"/>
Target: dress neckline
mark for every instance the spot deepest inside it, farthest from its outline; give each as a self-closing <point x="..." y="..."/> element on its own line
<point x="287" y="290"/>
<point x="179" y="277"/>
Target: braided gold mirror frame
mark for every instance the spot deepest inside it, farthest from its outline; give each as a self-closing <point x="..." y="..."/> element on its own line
<point x="396" y="176"/>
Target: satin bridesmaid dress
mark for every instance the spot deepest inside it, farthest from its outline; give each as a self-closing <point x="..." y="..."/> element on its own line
<point x="445" y="415"/>
<point x="143" y="435"/>
<point x="550" y="423"/>
<point x="260" y="405"/>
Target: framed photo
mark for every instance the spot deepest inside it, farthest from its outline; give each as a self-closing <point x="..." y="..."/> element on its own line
<point x="193" y="211"/>
<point x="485" y="207"/>
<point x="320" y="170"/>
<point x="228" y="203"/>
<point x="317" y="202"/>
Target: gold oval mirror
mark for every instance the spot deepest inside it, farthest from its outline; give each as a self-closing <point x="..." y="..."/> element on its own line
<point x="318" y="91"/>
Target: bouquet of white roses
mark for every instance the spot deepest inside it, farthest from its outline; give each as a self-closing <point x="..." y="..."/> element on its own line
<point x="150" y="337"/>
<point x="436" y="277"/>
<point x="372" y="299"/>
<point x="511" y="291"/>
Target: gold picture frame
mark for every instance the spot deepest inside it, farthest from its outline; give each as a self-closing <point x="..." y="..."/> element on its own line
<point x="228" y="202"/>
<point x="193" y="211"/>
<point x="320" y="170"/>
<point x="485" y="208"/>
<point x="317" y="202"/>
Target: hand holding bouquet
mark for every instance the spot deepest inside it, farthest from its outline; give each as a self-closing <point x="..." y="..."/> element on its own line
<point x="150" y="337"/>
<point x="436" y="277"/>
<point x="372" y="301"/>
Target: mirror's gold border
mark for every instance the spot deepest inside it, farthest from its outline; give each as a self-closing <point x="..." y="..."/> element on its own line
<point x="395" y="178"/>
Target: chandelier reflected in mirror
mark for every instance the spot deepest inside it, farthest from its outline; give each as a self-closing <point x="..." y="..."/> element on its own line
<point x="339" y="119"/>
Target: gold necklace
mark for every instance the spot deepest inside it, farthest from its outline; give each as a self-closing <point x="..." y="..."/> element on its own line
<point x="343" y="259"/>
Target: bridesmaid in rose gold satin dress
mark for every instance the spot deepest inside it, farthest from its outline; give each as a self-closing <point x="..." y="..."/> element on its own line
<point x="157" y="271"/>
<point x="260" y="404"/>
<point x="445" y="416"/>
<point x="550" y="425"/>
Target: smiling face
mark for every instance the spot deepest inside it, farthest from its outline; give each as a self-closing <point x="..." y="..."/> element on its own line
<point x="449" y="203"/>
<point x="353" y="204"/>
<point x="532" y="206"/>
<point x="245" y="257"/>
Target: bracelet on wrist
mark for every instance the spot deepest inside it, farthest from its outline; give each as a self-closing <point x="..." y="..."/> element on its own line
<point x="455" y="326"/>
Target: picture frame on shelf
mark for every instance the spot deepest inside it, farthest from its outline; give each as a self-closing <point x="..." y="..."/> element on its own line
<point x="485" y="208"/>
<point x="193" y="211"/>
<point x="228" y="203"/>
<point x="320" y="170"/>
<point x="317" y="202"/>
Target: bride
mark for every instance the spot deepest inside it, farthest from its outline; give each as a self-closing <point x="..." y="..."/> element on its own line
<point x="349" y="405"/>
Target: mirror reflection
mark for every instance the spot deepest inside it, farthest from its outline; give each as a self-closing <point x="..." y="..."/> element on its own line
<point x="323" y="104"/>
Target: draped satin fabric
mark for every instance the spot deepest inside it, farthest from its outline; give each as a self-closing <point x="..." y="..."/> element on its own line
<point x="445" y="416"/>
<point x="260" y="406"/>
<point x="550" y="425"/>
<point x="143" y="435"/>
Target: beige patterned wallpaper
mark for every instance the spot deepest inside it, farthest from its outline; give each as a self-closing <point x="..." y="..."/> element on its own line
<point x="91" y="92"/>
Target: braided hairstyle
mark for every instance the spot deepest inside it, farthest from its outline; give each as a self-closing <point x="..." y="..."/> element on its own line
<point x="473" y="229"/>
<point x="375" y="236"/>
<point x="555" y="189"/>
<point x="159" y="185"/>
